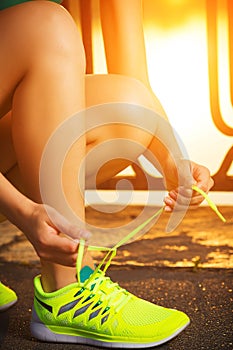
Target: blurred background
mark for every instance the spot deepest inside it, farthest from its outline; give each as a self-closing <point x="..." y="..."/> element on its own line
<point x="189" y="46"/>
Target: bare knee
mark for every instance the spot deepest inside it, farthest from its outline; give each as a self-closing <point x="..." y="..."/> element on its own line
<point x="55" y="33"/>
<point x="107" y="88"/>
<point x="134" y="117"/>
<point x="37" y="31"/>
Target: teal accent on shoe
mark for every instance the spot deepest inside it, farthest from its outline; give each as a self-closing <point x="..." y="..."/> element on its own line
<point x="85" y="273"/>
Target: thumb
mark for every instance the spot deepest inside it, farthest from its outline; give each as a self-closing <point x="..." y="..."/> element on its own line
<point x="66" y="227"/>
<point x="184" y="191"/>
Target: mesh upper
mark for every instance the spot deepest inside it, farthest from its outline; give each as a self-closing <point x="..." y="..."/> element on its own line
<point x="135" y="321"/>
<point x="138" y="312"/>
<point x="7" y="295"/>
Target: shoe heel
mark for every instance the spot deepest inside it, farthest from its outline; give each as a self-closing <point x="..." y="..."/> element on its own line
<point x="37" y="328"/>
<point x="42" y="333"/>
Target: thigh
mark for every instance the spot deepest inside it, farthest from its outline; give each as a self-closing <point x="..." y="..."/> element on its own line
<point x="30" y="32"/>
<point x="11" y="47"/>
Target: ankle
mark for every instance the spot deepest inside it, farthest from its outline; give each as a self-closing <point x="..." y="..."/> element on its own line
<point x="88" y="261"/>
<point x="54" y="277"/>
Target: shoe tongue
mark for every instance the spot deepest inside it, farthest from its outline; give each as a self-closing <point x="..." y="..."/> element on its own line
<point x="85" y="273"/>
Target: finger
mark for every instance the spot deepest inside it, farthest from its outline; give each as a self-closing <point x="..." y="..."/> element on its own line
<point x="170" y="205"/>
<point x="50" y="240"/>
<point x="61" y="244"/>
<point x="58" y="250"/>
<point x="196" y="200"/>
<point x="202" y="177"/>
<point x="205" y="185"/>
<point x="181" y="196"/>
<point x="61" y="259"/>
<point x="181" y="202"/>
<point x="76" y="233"/>
<point x="64" y="226"/>
<point x="176" y="207"/>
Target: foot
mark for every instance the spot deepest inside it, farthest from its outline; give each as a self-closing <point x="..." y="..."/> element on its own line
<point x="99" y="312"/>
<point x="7" y="297"/>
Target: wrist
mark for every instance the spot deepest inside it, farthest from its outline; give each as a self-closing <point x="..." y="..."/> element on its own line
<point x="20" y="212"/>
<point x="13" y="204"/>
<point x="170" y="172"/>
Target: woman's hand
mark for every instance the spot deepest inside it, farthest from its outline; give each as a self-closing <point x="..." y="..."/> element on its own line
<point x="201" y="178"/>
<point x="53" y="239"/>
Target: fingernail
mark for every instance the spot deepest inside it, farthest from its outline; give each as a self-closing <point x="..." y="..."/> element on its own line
<point x="85" y="234"/>
<point x="167" y="209"/>
<point x="173" y="194"/>
<point x="168" y="200"/>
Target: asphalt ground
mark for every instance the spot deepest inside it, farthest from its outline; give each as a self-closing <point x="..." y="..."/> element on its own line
<point x="202" y="286"/>
<point x="205" y="295"/>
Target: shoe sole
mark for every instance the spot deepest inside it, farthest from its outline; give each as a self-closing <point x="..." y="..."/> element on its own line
<point x="42" y="333"/>
<point x="7" y="306"/>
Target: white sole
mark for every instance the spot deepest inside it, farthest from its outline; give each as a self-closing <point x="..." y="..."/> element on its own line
<point x="7" y="306"/>
<point x="41" y="332"/>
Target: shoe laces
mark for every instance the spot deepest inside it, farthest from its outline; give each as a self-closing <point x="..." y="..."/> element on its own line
<point x="98" y="283"/>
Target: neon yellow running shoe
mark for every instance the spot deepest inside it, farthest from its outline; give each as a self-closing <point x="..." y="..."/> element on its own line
<point x="7" y="297"/>
<point x="99" y="312"/>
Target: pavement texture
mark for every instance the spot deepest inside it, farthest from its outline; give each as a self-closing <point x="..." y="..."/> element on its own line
<point x="190" y="269"/>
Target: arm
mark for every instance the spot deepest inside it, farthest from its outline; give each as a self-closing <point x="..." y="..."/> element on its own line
<point x="122" y="28"/>
<point x="32" y="219"/>
<point x="123" y="34"/>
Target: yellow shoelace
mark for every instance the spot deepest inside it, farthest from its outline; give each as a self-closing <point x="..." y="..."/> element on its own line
<point x="111" y="252"/>
<point x="210" y="202"/>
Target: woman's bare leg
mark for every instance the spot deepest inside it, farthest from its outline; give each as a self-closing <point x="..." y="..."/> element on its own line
<point x="8" y="162"/>
<point x="101" y="89"/>
<point x="43" y="88"/>
<point x="111" y="88"/>
<point x="38" y="94"/>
